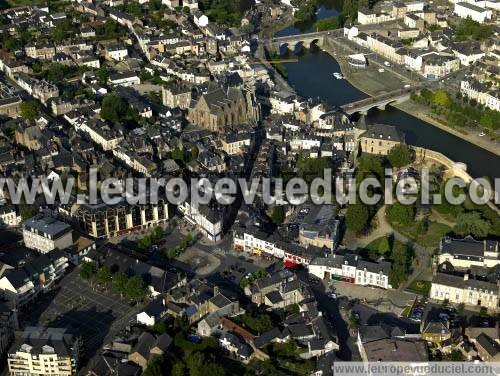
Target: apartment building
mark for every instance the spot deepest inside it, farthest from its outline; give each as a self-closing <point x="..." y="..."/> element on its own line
<point x="467" y="252"/>
<point x="464" y="290"/>
<point x="43" y="351"/>
<point x="21" y="283"/>
<point x="45" y="234"/>
<point x="103" y="222"/>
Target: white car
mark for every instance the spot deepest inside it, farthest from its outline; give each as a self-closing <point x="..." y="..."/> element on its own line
<point x="482" y="134"/>
<point x="381" y="70"/>
<point x="333" y="295"/>
<point x="387" y="64"/>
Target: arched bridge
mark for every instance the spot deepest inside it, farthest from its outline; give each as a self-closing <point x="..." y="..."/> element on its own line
<point x="380" y="101"/>
<point x="305" y="40"/>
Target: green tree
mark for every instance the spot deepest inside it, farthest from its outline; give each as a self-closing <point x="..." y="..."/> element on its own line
<point x="399" y="213"/>
<point x="135" y="288"/>
<point x="357" y="217"/>
<point x="179" y="369"/>
<point x="194" y="362"/>
<point x="154" y="367"/>
<point x="104" y="276"/>
<point x="102" y="75"/>
<point x="29" y="110"/>
<point x="278" y="215"/>
<point x="472" y="224"/>
<point x="401" y="260"/>
<point x="331" y="23"/>
<point x="119" y="282"/>
<point x="441" y="98"/>
<point x="113" y="108"/>
<point x="87" y="270"/>
<point x="399" y="155"/>
<point x="178" y="154"/>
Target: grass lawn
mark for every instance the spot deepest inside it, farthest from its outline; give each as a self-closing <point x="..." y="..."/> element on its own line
<point x="429" y="239"/>
<point x="381" y="246"/>
<point x="421" y="287"/>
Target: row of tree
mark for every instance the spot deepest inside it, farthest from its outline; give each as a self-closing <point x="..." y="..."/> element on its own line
<point x="461" y="112"/>
<point x="174" y="252"/>
<point x="131" y="286"/>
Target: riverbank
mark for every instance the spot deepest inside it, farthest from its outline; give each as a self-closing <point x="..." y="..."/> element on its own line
<point x="372" y="82"/>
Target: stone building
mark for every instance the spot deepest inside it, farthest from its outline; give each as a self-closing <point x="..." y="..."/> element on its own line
<point x="220" y="108"/>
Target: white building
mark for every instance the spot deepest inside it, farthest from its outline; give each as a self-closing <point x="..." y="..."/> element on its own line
<point x="459" y="290"/>
<point x="473" y="11"/>
<point x="467" y="252"/>
<point x="209" y="220"/>
<point x="45" y="234"/>
<point x="9" y="217"/>
<point x="350" y="268"/>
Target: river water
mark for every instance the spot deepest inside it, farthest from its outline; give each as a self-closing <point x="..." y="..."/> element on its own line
<point x="312" y="77"/>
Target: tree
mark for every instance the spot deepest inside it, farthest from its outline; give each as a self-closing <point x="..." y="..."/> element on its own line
<point x="179" y="369"/>
<point x="357" y="217"/>
<point x="87" y="270"/>
<point x="472" y="224"/>
<point x="178" y="154"/>
<point x="154" y="366"/>
<point x="119" y="282"/>
<point x="401" y="259"/>
<point x="102" y="76"/>
<point x="399" y="155"/>
<point x="278" y="215"/>
<point x="194" y="362"/>
<point x="29" y="110"/>
<point x="328" y="23"/>
<point x="104" y="276"/>
<point x="113" y="108"/>
<point x="194" y="153"/>
<point x="135" y="288"/>
<point x="441" y="98"/>
<point x="399" y="213"/>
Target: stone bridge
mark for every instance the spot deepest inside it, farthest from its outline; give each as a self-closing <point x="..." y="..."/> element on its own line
<point x="379" y="101"/>
<point x="306" y="40"/>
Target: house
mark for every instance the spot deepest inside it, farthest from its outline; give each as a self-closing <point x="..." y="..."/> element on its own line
<point x="148" y="346"/>
<point x="380" y="139"/>
<point x="487" y="349"/>
<point x="319" y="227"/>
<point x="197" y="299"/>
<point x="153" y="312"/>
<point x="116" y="52"/>
<point x="278" y="290"/>
<point x="233" y="344"/>
<point x="200" y="19"/>
<point x="45" y="234"/>
<point x="129" y="78"/>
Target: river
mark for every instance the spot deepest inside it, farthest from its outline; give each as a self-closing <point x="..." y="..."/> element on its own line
<point x="322" y="84"/>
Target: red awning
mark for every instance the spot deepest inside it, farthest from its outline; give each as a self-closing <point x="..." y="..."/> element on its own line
<point x="289" y="264"/>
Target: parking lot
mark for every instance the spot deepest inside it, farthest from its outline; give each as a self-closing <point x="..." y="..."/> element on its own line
<point x="95" y="315"/>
